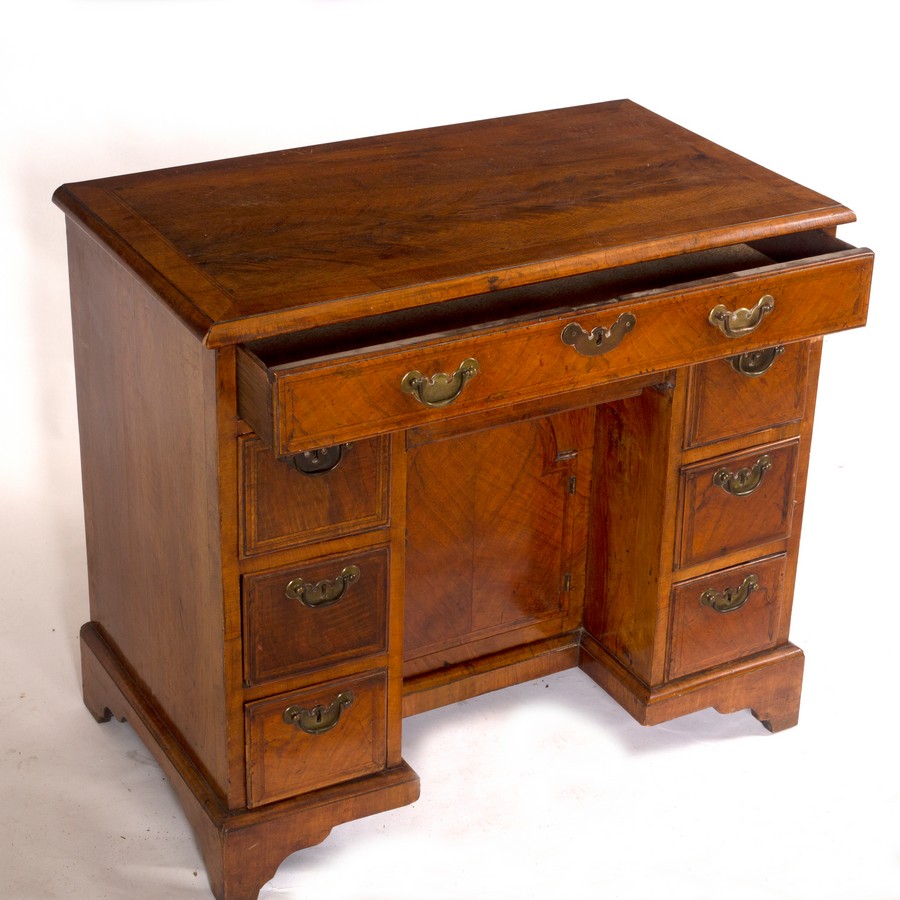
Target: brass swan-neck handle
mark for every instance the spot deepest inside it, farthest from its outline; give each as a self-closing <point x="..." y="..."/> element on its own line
<point x="440" y="389"/>
<point x="742" y="321"/>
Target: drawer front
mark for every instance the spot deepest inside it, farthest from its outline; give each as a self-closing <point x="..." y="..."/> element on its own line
<point x="723" y="617"/>
<point x="307" y="617"/>
<point x="736" y="502"/>
<point x="283" y="507"/>
<point x="316" y="737"/>
<point x="310" y="404"/>
<point x="740" y="395"/>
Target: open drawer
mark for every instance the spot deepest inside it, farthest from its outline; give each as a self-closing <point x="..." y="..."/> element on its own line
<point x="387" y="373"/>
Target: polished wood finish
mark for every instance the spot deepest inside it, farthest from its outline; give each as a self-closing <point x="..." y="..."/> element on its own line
<point x="703" y="637"/>
<point x="564" y="509"/>
<point x="714" y="522"/>
<point x="726" y="403"/>
<point x="283" y="636"/>
<point x="282" y="507"/>
<point x="636" y="493"/>
<point x="242" y="847"/>
<point x="495" y="551"/>
<point x="489" y="672"/>
<point x="146" y="457"/>
<point x="768" y="684"/>
<point x="317" y="403"/>
<point x="339" y="231"/>
<point x="285" y="761"/>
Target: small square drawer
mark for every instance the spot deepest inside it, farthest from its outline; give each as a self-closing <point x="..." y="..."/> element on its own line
<point x="726" y="616"/>
<point x="282" y="506"/>
<point x="746" y="393"/>
<point x="316" y="737"/>
<point x="737" y="502"/>
<point x="306" y="617"/>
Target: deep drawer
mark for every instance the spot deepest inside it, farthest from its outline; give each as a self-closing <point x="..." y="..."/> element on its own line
<point x="723" y="617"/>
<point x="736" y="502"/>
<point x="312" y="738"/>
<point x="319" y="400"/>
<point x="740" y="395"/>
<point x="306" y="617"/>
<point x="283" y="507"/>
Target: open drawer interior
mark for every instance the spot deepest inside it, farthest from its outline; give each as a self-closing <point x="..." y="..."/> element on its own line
<point x="521" y="304"/>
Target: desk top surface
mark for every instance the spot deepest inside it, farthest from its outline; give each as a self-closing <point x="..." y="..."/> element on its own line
<point x="256" y="246"/>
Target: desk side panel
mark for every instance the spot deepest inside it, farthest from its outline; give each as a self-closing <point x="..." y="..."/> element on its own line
<point x="147" y="419"/>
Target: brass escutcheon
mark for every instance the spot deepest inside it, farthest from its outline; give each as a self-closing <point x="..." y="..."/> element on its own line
<point x="322" y="593"/>
<point x="601" y="340"/>
<point x="320" y="718"/>
<point x="731" y="598"/>
<point x="440" y="389"/>
<point x="742" y="321"/>
<point x="744" y="481"/>
<point x="757" y="362"/>
<point x="321" y="461"/>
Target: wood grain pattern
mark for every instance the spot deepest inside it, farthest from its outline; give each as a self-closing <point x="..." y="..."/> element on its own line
<point x="146" y="416"/>
<point x="242" y="848"/>
<point x="325" y="233"/>
<point x="714" y="523"/>
<point x="283" y="637"/>
<point x="283" y="508"/>
<point x="490" y="534"/>
<point x="284" y="761"/>
<point x="634" y="507"/>
<point x="320" y="403"/>
<point x="230" y="428"/>
<point x="768" y="684"/>
<point x="558" y="513"/>
<point x="490" y="672"/>
<point x="702" y="638"/>
<point x="725" y="403"/>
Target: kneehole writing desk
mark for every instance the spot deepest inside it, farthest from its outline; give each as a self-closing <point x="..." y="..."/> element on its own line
<point x="371" y="427"/>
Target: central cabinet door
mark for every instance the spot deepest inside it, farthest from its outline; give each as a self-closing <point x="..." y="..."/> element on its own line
<point x="495" y="538"/>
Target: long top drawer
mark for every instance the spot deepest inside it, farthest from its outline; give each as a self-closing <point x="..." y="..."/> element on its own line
<point x="342" y="384"/>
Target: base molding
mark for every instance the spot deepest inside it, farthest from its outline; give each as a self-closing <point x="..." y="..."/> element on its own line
<point x="242" y="848"/>
<point x="768" y="684"/>
<point x="492" y="672"/>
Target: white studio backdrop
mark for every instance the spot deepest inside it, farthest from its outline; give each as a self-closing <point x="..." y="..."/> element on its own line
<point x="548" y="789"/>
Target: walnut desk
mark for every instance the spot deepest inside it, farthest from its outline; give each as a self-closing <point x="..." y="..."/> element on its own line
<point x="374" y="426"/>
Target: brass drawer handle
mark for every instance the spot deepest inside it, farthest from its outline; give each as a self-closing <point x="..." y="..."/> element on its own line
<point x="742" y="321"/>
<point x="744" y="481"/>
<point x="322" y="593"/>
<point x="318" y="462"/>
<point x="441" y="389"/>
<point x="731" y="598"/>
<point x="320" y="718"/>
<point x="601" y="340"/>
<point x="757" y="362"/>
